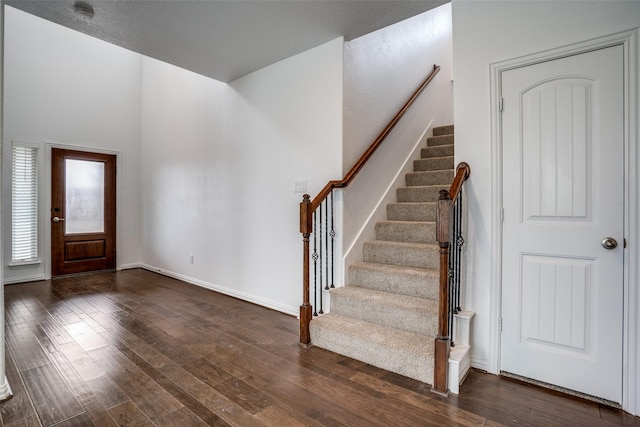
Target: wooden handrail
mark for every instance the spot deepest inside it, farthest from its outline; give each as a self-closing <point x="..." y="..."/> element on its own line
<point x="374" y="145"/>
<point x="442" y="347"/>
<point x="308" y="206"/>
<point x="462" y="173"/>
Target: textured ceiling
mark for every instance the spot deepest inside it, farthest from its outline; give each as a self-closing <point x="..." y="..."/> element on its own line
<point x="225" y="40"/>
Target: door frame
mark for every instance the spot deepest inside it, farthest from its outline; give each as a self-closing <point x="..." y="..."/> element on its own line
<point x="46" y="206"/>
<point x="631" y="269"/>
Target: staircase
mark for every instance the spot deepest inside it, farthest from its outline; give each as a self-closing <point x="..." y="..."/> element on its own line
<point x="387" y="315"/>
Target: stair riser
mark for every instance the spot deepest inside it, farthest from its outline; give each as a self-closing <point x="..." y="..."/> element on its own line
<point x="411" y="212"/>
<point x="435" y="164"/>
<point x="443" y="130"/>
<point x="421" y="257"/>
<point x="417" y="365"/>
<point x="418" y="232"/>
<point x="419" y="320"/>
<point x="440" y="140"/>
<point x="419" y="194"/>
<point x="429" y="178"/>
<point x="440" y="151"/>
<point x="414" y="283"/>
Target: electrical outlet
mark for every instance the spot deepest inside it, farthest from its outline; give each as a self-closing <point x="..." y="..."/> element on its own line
<point x="191" y="259"/>
<point x="300" y="186"/>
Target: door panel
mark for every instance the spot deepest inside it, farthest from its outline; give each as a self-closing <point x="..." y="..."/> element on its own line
<point x="563" y="171"/>
<point x="555" y="145"/>
<point x="558" y="296"/>
<point x="83" y="212"/>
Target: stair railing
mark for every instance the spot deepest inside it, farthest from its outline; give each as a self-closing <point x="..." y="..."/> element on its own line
<point x="449" y="212"/>
<point x="311" y="222"/>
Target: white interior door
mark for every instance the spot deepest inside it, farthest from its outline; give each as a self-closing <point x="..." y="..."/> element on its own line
<point x="563" y="193"/>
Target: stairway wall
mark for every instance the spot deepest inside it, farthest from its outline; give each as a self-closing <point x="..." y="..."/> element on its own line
<point x="354" y="252"/>
<point x="381" y="70"/>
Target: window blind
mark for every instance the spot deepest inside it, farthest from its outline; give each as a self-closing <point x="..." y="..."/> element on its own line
<point x="24" y="204"/>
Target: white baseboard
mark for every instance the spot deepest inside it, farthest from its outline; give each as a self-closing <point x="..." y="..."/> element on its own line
<point x="130" y="266"/>
<point x="480" y="363"/>
<point x="25" y="279"/>
<point x="5" y="390"/>
<point x="293" y="311"/>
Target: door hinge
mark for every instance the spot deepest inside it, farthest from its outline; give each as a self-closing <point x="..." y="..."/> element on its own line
<point x="501" y="214"/>
<point x="500" y="324"/>
<point x="501" y="104"/>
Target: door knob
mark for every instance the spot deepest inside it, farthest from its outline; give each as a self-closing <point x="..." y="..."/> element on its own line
<point x="609" y="243"/>
<point x="56" y="219"/>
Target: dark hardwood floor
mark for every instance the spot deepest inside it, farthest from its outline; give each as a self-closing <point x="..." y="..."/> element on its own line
<point x="134" y="348"/>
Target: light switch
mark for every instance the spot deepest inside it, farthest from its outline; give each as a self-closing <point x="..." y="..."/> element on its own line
<point x="300" y="186"/>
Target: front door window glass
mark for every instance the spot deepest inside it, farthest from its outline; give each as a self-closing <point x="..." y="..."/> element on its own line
<point x="84" y="189"/>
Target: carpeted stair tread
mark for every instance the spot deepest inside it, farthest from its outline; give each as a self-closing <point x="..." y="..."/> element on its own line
<point x="411" y="211"/>
<point x="411" y="314"/>
<point x="420" y="193"/>
<point x="421" y="255"/>
<point x="406" y="231"/>
<point x="443" y="130"/>
<point x="411" y="281"/>
<point x="387" y="314"/>
<point x="433" y="164"/>
<point x="395" y="350"/>
<point x="438" y="151"/>
<point x="429" y="178"/>
<point x="440" y="140"/>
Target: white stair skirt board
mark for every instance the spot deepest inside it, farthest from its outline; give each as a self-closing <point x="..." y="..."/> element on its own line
<point x="460" y="359"/>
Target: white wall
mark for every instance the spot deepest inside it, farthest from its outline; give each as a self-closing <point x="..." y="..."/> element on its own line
<point x="382" y="70"/>
<point x="207" y="168"/>
<point x="488" y="32"/>
<point x="64" y="87"/>
<point x="218" y="167"/>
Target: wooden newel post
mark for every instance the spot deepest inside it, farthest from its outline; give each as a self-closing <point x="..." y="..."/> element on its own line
<point x="305" y="308"/>
<point x="443" y="343"/>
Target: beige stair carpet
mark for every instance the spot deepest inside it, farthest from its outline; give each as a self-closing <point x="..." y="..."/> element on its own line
<point x="387" y="314"/>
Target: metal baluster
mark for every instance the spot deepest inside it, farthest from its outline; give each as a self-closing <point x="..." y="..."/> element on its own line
<point x="326" y="245"/>
<point x="333" y="235"/>
<point x="454" y="254"/>
<point x="315" y="267"/>
<point x="456" y="261"/>
<point x="459" y="244"/>
<point x="451" y="292"/>
<point x="320" y="235"/>
<point x="452" y="272"/>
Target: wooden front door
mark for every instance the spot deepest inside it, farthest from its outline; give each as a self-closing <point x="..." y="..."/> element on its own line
<point x="83" y="212"/>
<point x="563" y="247"/>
